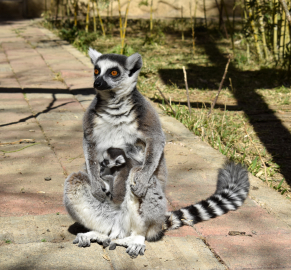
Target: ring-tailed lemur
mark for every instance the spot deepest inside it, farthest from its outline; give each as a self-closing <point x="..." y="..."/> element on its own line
<point x="120" y="117"/>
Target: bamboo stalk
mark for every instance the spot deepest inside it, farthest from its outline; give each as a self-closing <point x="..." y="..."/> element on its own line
<point x="282" y="36"/>
<point x="124" y="27"/>
<point x="87" y="17"/>
<point x="275" y="30"/>
<point x="195" y="12"/>
<point x="100" y="19"/>
<point x="75" y="13"/>
<point x="57" y="10"/>
<point x="151" y="18"/>
<point x="205" y="18"/>
<point x="248" y="45"/>
<point x="287" y="33"/>
<point x="51" y="9"/>
<point x="68" y="10"/>
<point x="120" y="23"/>
<point x="183" y="38"/>
<point x="111" y="11"/>
<point x="94" y="17"/>
<point x="193" y="26"/>
<point x="255" y="31"/>
<point x="187" y="90"/>
<point x="220" y="86"/>
<point x="233" y="14"/>
<point x="221" y="21"/>
<point x="286" y="9"/>
<point x="229" y="24"/>
<point x="262" y="28"/>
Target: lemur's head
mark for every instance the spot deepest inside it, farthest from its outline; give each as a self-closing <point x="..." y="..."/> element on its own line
<point x="113" y="71"/>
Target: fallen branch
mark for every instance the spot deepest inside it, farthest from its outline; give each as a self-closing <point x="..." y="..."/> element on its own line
<point x="187" y="91"/>
<point x="19" y="142"/>
<point x="220" y="86"/>
<point x="258" y="153"/>
<point x="166" y="100"/>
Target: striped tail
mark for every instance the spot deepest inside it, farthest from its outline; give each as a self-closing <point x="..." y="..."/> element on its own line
<point x="231" y="191"/>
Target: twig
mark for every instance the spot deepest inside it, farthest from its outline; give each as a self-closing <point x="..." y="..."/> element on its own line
<point x="166" y="100"/>
<point x="285" y="7"/>
<point x="71" y="159"/>
<point x="220" y="86"/>
<point x="18" y="142"/>
<point x="5" y="152"/>
<point x="258" y="153"/>
<point x="187" y="91"/>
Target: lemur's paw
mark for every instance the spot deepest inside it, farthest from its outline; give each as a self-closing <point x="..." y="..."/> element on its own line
<point x="106" y="243"/>
<point x="140" y="185"/>
<point x="99" y="194"/>
<point x="82" y="240"/>
<point x="139" y="189"/>
<point x="135" y="250"/>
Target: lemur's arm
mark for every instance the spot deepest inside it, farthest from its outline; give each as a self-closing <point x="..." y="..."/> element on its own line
<point x="93" y="170"/>
<point x="89" y="147"/>
<point x="155" y="142"/>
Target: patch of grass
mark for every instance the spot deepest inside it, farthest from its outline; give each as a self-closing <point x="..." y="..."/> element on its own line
<point x="8" y="241"/>
<point x="43" y="240"/>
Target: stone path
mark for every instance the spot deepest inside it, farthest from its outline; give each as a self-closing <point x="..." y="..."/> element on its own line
<point x="45" y="86"/>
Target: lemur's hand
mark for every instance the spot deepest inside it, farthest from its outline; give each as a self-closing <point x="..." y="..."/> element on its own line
<point x="99" y="190"/>
<point x="141" y="182"/>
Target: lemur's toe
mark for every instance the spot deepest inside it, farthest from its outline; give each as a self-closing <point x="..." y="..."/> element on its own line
<point x="106" y="243"/>
<point x="112" y="246"/>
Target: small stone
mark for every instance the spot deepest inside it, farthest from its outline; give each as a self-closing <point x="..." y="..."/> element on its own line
<point x="48" y="178"/>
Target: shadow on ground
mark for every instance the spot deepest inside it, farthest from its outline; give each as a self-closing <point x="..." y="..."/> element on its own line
<point x="275" y="137"/>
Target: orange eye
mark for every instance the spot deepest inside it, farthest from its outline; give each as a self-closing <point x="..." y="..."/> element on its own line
<point x="114" y="72"/>
<point x="96" y="71"/>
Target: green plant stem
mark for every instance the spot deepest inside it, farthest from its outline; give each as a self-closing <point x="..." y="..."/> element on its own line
<point x="6" y="152"/>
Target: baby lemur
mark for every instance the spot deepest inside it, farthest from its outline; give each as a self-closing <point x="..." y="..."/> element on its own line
<point x="114" y="171"/>
<point x="120" y="117"/>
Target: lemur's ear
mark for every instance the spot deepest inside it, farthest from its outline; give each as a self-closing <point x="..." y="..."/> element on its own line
<point x="119" y="160"/>
<point x="133" y="63"/>
<point x="94" y="55"/>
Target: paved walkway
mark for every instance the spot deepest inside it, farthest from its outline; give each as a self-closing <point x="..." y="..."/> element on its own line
<point x="45" y="86"/>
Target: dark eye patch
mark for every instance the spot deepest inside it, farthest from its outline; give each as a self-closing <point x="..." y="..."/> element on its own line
<point x="113" y="72"/>
<point x="97" y="70"/>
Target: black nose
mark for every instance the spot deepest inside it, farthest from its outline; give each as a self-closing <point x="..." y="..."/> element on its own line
<point x="100" y="84"/>
<point x="97" y="84"/>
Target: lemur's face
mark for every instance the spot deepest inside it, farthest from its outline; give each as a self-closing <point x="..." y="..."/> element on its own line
<point x="115" y="72"/>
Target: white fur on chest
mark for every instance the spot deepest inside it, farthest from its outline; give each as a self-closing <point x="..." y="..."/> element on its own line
<point x="111" y="132"/>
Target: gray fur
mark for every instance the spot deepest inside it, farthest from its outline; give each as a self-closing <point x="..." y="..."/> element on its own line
<point x="120" y="117"/>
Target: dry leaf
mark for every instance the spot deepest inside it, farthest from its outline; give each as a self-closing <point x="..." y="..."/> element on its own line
<point x="106" y="257"/>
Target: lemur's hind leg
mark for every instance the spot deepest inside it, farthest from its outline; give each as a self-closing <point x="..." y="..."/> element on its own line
<point x="147" y="216"/>
<point x="85" y="209"/>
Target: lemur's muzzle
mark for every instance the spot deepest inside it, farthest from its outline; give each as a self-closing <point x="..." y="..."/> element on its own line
<point x="100" y="84"/>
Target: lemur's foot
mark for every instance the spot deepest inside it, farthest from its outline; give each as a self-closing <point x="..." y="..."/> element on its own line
<point x="85" y="239"/>
<point x="135" y="245"/>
